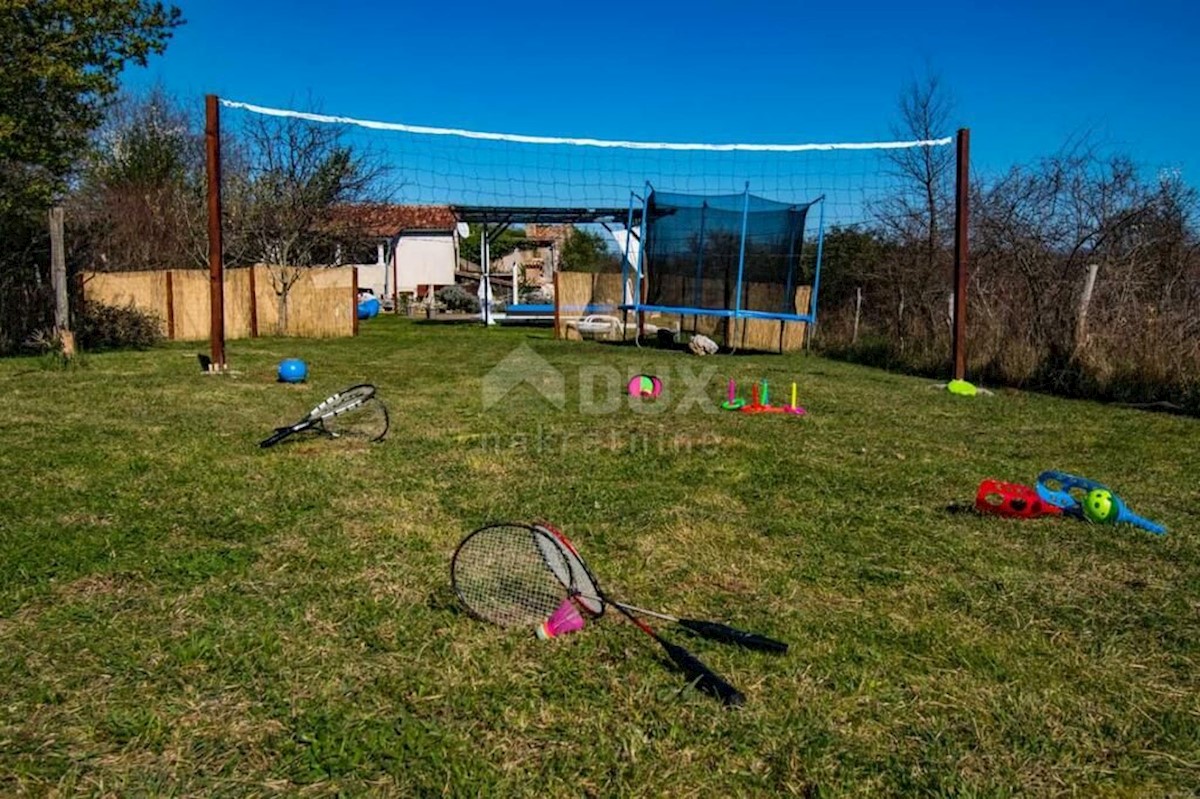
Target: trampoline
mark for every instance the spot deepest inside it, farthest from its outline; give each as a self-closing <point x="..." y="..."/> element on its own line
<point x="730" y="256"/>
<point x="543" y="314"/>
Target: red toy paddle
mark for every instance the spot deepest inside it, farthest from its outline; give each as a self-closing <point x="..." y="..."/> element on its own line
<point x="1013" y="500"/>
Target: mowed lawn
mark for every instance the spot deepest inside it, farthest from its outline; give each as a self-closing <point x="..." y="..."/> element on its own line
<point x="183" y="613"/>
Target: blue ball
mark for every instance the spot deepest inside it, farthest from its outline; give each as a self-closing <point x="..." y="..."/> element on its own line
<point x="368" y="308"/>
<point x="292" y="370"/>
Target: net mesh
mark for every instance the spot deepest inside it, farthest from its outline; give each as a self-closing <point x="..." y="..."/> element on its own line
<point x="445" y="166"/>
<point x="500" y="178"/>
<point x="720" y="253"/>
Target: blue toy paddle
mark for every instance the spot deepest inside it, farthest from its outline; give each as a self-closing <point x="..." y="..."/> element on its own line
<point x="1099" y="503"/>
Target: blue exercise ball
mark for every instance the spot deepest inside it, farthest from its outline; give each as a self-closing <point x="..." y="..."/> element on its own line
<point x="292" y="370"/>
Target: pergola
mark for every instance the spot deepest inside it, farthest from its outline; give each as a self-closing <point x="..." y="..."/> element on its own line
<point x="495" y="219"/>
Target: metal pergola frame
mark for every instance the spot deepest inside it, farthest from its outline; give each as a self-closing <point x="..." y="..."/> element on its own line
<point x="502" y="217"/>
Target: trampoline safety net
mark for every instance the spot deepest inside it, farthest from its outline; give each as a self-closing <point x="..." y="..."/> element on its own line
<point x="694" y="245"/>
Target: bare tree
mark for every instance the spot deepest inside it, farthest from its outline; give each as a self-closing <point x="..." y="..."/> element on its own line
<point x="914" y="215"/>
<point x="925" y="108"/>
<point x="1039" y="233"/>
<point x="299" y="173"/>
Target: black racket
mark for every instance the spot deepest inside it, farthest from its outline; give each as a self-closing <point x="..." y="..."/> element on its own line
<point x="517" y="575"/>
<point x="501" y="575"/>
<point x="355" y="413"/>
<point x="712" y="630"/>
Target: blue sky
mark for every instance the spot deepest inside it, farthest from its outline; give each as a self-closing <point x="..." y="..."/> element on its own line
<point x="1025" y="75"/>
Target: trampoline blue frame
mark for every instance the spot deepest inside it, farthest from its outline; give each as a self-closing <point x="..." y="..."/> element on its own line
<point x="737" y="312"/>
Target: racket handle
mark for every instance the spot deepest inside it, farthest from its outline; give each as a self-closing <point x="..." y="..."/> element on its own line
<point x="279" y="435"/>
<point x="702" y="676"/>
<point x="731" y="635"/>
<point x="1147" y="525"/>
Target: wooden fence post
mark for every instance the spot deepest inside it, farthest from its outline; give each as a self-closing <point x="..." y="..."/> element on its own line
<point x="170" y="305"/>
<point x="253" y="302"/>
<point x="354" y="300"/>
<point x="1084" y="301"/>
<point x="857" y="311"/>
<point x="58" y="279"/>
<point x="58" y="269"/>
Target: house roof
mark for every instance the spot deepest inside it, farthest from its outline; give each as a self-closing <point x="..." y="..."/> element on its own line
<point x="387" y="220"/>
<point x="501" y="214"/>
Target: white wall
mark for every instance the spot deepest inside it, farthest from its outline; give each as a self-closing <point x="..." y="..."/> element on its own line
<point x="422" y="259"/>
<point x="374" y="277"/>
<point x="621" y="237"/>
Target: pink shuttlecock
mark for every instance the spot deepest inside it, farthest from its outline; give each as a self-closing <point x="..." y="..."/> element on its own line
<point x="566" y="619"/>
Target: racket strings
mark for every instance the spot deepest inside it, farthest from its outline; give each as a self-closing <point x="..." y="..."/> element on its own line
<point x="502" y="576"/>
<point x="365" y="421"/>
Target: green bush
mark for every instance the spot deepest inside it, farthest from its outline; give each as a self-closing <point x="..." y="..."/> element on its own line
<point x="113" y="327"/>
<point x="456" y="298"/>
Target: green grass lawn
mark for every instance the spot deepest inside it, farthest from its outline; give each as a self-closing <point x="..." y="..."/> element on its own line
<point x="184" y="613"/>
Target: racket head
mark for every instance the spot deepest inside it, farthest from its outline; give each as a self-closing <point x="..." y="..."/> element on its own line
<point x="578" y="576"/>
<point x="364" y="421"/>
<point x="509" y="574"/>
<point x="342" y="401"/>
<point x="1066" y="491"/>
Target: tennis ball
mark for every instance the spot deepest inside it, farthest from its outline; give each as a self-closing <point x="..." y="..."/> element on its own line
<point x="1098" y="505"/>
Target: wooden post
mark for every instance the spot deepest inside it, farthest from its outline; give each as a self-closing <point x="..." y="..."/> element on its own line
<point x="58" y="269"/>
<point x="354" y="300"/>
<point x="558" y="310"/>
<point x="857" y="311"/>
<point x="58" y="280"/>
<point x="170" y="305"/>
<point x="253" y="302"/>
<point x="1084" y="302"/>
<point x="396" y="274"/>
<point x="962" y="190"/>
<point x="216" y="266"/>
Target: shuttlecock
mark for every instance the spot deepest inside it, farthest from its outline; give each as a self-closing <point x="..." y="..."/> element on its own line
<point x="562" y="621"/>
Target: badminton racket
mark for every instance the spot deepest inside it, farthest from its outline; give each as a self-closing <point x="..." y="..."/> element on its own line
<point x="355" y="413"/>
<point x="589" y="598"/>
<point x="518" y="575"/>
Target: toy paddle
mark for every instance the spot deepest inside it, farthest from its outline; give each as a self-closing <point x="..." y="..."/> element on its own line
<point x="1098" y="504"/>
<point x="1013" y="500"/>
